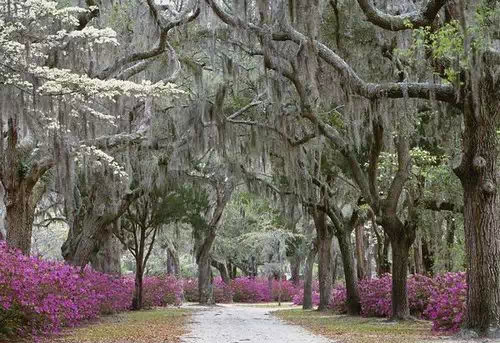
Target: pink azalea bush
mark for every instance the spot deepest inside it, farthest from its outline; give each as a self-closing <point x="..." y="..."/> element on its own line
<point x="446" y="307"/>
<point x="338" y="299"/>
<point x="39" y="297"/>
<point x="248" y="290"/>
<point x="375" y="296"/>
<point x="288" y="290"/>
<point x="162" y="291"/>
<point x="298" y="298"/>
<point x="223" y="292"/>
<point x="441" y="299"/>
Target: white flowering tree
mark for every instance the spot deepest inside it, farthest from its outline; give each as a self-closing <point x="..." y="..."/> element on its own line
<point x="54" y="104"/>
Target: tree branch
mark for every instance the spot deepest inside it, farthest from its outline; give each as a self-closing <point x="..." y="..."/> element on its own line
<point x="415" y="19"/>
<point x="186" y="17"/>
<point x="368" y="90"/>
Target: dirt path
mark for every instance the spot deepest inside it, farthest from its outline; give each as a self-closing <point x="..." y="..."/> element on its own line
<point x="239" y="323"/>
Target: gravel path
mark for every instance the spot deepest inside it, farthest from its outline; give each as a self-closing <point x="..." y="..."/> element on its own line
<point x="235" y="324"/>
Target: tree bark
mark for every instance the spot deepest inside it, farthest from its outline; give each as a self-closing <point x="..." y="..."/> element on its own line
<point x="360" y="252"/>
<point x="351" y="282"/>
<point x="205" y="276"/>
<point x="19" y="181"/>
<point x="450" y="240"/>
<point x="335" y="265"/>
<point x="223" y="271"/>
<point x="400" y="258"/>
<point x="173" y="262"/>
<point x="308" y="277"/>
<point x="417" y="254"/>
<point x="295" y="263"/>
<point x="137" y="300"/>
<point x="87" y="232"/>
<point x="20" y="216"/>
<point x="325" y="236"/>
<point x="427" y="257"/>
<point x="479" y="175"/>
<point x="108" y="259"/>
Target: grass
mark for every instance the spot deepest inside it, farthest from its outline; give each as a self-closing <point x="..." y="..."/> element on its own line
<point x="348" y="329"/>
<point x="163" y="325"/>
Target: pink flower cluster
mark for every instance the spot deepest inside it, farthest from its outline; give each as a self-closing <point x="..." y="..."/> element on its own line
<point x="244" y="290"/>
<point x="40" y="297"/>
<point x="162" y="291"/>
<point x="446" y="307"/>
<point x="298" y="298"/>
<point x="441" y="299"/>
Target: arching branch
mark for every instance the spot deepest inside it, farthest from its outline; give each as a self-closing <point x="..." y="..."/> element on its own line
<point x="369" y="90"/>
<point x="186" y="17"/>
<point x="422" y="17"/>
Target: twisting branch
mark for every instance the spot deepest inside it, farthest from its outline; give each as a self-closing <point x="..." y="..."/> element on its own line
<point x="422" y="17"/>
<point x="369" y="90"/>
<point x="186" y="17"/>
<point x="402" y="175"/>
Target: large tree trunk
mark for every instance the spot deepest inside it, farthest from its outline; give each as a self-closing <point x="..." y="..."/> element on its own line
<point x="351" y="282"/>
<point x="20" y="216"/>
<point x="382" y="254"/>
<point x="325" y="236"/>
<point x="400" y="258"/>
<point x="173" y="262"/>
<point x="19" y="181"/>
<point x="295" y="263"/>
<point x="360" y="252"/>
<point x="427" y="257"/>
<point x="417" y="254"/>
<point x="335" y="265"/>
<point x="87" y="232"/>
<point x="137" y="300"/>
<point x="450" y="240"/>
<point x="221" y="267"/>
<point x="108" y="258"/>
<point x="479" y="176"/>
<point x="308" y="277"/>
<point x="205" y="277"/>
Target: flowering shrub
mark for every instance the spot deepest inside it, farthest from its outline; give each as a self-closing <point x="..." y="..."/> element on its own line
<point x="298" y="298"/>
<point x="40" y="297"/>
<point x="375" y="296"/>
<point x="447" y="302"/>
<point x="191" y="290"/>
<point x="223" y="292"/>
<point x="288" y="290"/>
<point x="420" y="288"/>
<point x="162" y="291"/>
<point x="338" y="299"/>
<point x="441" y="299"/>
<point x="247" y="290"/>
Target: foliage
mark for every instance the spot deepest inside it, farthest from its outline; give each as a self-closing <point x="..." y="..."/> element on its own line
<point x="298" y="299"/>
<point x="440" y="299"/>
<point x="162" y="291"/>
<point x="447" y="302"/>
<point x="247" y="290"/>
<point x="40" y="297"/>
